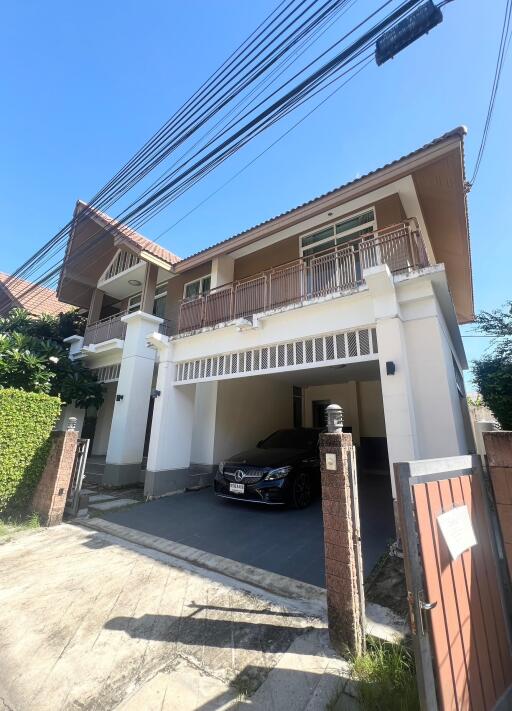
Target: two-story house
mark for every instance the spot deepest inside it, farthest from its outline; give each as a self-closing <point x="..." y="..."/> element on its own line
<point x="354" y="297"/>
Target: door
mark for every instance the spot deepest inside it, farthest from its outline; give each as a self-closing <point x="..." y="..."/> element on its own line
<point x="460" y="616"/>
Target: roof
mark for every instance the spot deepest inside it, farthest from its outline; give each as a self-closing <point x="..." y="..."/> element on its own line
<point x="129" y="236"/>
<point x="39" y="301"/>
<point x="458" y="132"/>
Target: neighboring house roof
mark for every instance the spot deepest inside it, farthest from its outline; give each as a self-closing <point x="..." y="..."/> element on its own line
<point x="129" y="236"/>
<point x="38" y="301"/>
<point x="246" y="235"/>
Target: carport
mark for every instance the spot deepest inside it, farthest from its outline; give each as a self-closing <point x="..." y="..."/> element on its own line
<point x="283" y="541"/>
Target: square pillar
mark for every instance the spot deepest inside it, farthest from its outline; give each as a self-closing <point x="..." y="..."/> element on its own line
<point x="95" y="307"/>
<point x="343" y="569"/>
<point x="127" y="432"/>
<point x="171" y="431"/>
<point x="222" y="270"/>
<point x="149" y="288"/>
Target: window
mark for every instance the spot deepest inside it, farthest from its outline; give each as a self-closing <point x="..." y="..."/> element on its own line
<point x="134" y="302"/>
<point x="347" y="230"/>
<point x="195" y="288"/>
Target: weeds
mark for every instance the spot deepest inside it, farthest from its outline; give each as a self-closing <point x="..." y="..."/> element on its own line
<point x="12" y="524"/>
<point x="386" y="677"/>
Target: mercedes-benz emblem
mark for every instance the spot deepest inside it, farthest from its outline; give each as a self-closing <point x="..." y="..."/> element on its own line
<point x="239" y="475"/>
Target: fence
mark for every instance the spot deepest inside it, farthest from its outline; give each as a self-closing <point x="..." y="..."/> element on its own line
<point x="104" y="330"/>
<point x="336" y="270"/>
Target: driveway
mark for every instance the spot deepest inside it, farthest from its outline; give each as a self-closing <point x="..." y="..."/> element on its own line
<point x="284" y="541"/>
<point x="90" y="622"/>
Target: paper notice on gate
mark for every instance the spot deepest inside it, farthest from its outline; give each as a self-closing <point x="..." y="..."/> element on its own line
<point x="457" y="530"/>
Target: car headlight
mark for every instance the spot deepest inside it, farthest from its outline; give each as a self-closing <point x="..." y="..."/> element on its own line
<point x="221" y="467"/>
<point x="278" y="473"/>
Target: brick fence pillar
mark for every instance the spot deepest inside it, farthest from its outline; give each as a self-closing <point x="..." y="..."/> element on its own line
<point x="50" y="496"/>
<point x="345" y="597"/>
<point x="498" y="446"/>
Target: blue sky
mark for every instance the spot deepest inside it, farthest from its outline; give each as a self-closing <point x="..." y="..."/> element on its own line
<point x="84" y="85"/>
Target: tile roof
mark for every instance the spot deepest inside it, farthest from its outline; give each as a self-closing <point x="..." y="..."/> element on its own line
<point x="39" y="301"/>
<point x="133" y="238"/>
<point x="459" y="131"/>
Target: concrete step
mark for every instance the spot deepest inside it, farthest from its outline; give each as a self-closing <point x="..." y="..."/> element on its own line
<point x="94" y="466"/>
<point x="112" y="504"/>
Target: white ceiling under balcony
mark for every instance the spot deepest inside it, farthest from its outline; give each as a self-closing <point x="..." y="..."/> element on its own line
<point x="119" y="285"/>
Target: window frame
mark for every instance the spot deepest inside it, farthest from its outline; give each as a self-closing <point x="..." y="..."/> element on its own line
<point x="201" y="289"/>
<point x="335" y="235"/>
<point x="132" y="308"/>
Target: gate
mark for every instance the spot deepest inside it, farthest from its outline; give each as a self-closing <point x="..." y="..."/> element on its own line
<point x="77" y="477"/>
<point x="460" y="617"/>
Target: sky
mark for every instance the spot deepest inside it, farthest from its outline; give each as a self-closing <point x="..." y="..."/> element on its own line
<point x="84" y="85"/>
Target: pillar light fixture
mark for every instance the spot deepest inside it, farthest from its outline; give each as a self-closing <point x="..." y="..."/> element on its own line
<point x="119" y="398"/>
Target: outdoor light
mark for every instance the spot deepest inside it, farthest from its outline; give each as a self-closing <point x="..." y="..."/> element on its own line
<point x="390" y="367"/>
<point x="119" y="398"/>
<point x="134" y="282"/>
<point x="155" y="393"/>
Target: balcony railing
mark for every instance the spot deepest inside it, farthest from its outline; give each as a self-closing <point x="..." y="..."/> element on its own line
<point x="106" y="329"/>
<point x="337" y="270"/>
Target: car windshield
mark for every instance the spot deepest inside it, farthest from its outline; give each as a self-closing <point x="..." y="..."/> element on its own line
<point x="291" y="439"/>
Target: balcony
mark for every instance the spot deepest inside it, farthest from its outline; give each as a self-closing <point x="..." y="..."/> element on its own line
<point x="336" y="271"/>
<point x="105" y="330"/>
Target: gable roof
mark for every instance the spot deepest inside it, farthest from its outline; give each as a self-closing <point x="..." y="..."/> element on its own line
<point x="125" y="234"/>
<point x="275" y="223"/>
<point x="39" y="301"/>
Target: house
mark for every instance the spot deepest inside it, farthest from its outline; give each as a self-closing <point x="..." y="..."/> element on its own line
<point x="354" y="297"/>
<point x="14" y="294"/>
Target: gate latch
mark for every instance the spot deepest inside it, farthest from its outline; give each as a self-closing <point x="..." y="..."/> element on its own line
<point x="424" y="607"/>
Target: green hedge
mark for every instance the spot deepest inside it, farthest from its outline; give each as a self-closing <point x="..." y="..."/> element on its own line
<point x="26" y="422"/>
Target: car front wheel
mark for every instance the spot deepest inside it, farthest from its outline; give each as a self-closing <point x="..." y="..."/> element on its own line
<point x="302" y="492"/>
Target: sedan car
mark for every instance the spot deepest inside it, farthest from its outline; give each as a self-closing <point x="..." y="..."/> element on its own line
<point x="282" y="469"/>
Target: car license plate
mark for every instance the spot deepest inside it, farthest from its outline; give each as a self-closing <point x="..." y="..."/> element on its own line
<point x="237" y="488"/>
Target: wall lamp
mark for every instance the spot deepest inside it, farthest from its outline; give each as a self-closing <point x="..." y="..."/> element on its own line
<point x="390" y="367"/>
<point x="119" y="398"/>
<point x="155" y="393"/>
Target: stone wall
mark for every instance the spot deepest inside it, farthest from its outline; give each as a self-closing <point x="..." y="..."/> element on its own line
<point x="498" y="446"/>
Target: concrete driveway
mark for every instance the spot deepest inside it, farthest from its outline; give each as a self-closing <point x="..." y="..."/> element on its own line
<point x="90" y="622"/>
<point x="283" y="541"/>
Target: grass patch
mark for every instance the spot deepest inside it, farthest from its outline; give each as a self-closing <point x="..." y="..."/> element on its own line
<point x="14" y="524"/>
<point x="386" y="671"/>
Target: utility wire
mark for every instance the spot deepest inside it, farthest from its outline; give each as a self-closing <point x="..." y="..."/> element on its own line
<point x="502" y="52"/>
<point x="313" y="83"/>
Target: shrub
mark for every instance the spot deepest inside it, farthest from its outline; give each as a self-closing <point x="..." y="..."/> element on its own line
<point x="26" y="422"/>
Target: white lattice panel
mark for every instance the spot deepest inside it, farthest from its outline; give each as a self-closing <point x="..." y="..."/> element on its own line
<point x="358" y="344"/>
<point x="107" y="373"/>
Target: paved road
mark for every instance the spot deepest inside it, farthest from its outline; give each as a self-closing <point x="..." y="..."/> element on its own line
<point x="89" y="622"/>
<point x="284" y="541"/>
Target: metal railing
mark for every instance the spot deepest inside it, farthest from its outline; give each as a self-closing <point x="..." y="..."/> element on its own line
<point x="105" y="329"/>
<point x="337" y="270"/>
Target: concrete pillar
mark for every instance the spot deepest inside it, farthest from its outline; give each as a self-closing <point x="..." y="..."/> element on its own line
<point x="397" y="395"/>
<point x="205" y="417"/>
<point x="149" y="288"/>
<point x="127" y="432"/>
<point x="171" y="431"/>
<point x="343" y="570"/>
<point x="222" y="270"/>
<point x="95" y="307"/>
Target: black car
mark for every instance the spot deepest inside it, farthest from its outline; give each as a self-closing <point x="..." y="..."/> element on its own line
<point x="282" y="469"/>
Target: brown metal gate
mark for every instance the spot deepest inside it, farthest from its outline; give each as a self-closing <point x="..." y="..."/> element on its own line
<point x="460" y="618"/>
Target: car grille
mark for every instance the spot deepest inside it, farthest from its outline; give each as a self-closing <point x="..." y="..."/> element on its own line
<point x="251" y="474"/>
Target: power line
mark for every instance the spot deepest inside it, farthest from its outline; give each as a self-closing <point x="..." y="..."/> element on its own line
<point x="312" y="84"/>
<point x="502" y="52"/>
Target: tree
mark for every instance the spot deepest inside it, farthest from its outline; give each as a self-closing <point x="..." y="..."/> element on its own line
<point x="493" y="372"/>
<point x="33" y="358"/>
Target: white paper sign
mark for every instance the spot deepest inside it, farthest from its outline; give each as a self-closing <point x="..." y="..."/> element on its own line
<point x="330" y="462"/>
<point x="457" y="530"/>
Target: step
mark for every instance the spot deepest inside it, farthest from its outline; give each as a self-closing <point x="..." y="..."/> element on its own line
<point x="112" y="504"/>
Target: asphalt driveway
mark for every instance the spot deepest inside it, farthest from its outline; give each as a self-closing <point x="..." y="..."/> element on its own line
<point x="283" y="541"/>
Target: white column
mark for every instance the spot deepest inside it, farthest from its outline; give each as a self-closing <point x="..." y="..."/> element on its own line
<point x="205" y="416"/>
<point x="222" y="270"/>
<point x="397" y="394"/>
<point x="126" y="441"/>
